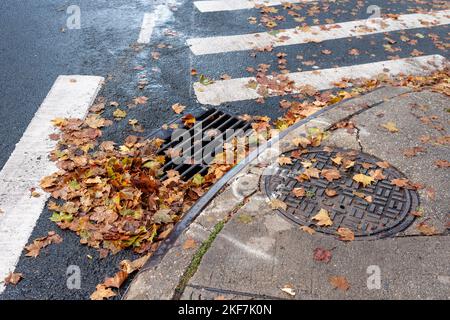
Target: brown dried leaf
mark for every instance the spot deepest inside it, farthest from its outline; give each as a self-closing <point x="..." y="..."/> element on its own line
<point x="345" y="234"/>
<point x="102" y="292"/>
<point x="339" y="282"/>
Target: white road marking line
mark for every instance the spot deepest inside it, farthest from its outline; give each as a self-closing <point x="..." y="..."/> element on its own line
<point x="161" y="14"/>
<point x="236" y="90"/>
<point x="228" y="5"/>
<point x="70" y="97"/>
<point x="148" y="23"/>
<point x="211" y="45"/>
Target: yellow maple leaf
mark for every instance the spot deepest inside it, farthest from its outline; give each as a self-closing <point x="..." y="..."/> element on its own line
<point x="390" y="126"/>
<point x="362" y="178"/>
<point x="322" y="218"/>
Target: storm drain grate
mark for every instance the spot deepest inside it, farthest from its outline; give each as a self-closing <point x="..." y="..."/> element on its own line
<point x="386" y="214"/>
<point x="211" y="130"/>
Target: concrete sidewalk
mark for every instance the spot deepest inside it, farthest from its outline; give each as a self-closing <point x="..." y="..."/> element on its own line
<point x="241" y="248"/>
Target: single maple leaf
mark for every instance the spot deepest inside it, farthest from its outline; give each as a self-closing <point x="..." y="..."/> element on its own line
<point x="347" y="163"/>
<point x="412" y="152"/>
<point x="131" y="266"/>
<point x="13" y="278"/>
<point x="383" y="164"/>
<point x="401" y="183"/>
<point x="362" y="178"/>
<point x="178" y="108"/>
<point x="278" y="204"/>
<point x="284" y="160"/>
<point x="188" y="120"/>
<point x="301" y="141"/>
<point x="322" y="218"/>
<point x="337" y="160"/>
<point x="339" y="282"/>
<point x="331" y="174"/>
<point x="189" y="244"/>
<point x="426" y="229"/>
<point x="140" y="100"/>
<point x="311" y="173"/>
<point x="307" y="229"/>
<point x="117" y="280"/>
<point x="299" y="192"/>
<point x="322" y="255"/>
<point x="345" y="234"/>
<point x="330" y="192"/>
<point x="102" y="292"/>
<point x="119" y="114"/>
<point x="442" y="163"/>
<point x="390" y="126"/>
<point x="377" y="174"/>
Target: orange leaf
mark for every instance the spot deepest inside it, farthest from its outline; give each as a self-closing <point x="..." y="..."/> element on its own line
<point x="339" y="282"/>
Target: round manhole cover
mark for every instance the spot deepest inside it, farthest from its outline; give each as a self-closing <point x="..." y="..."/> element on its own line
<point x="379" y="209"/>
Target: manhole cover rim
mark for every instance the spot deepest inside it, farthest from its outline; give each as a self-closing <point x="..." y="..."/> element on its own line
<point x="400" y="225"/>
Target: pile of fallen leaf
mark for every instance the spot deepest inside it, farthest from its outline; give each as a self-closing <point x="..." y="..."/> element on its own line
<point x="111" y="196"/>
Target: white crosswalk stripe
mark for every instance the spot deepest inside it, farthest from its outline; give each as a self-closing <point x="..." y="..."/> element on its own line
<point x="70" y="97"/>
<point x="229" y="5"/>
<point x="222" y="44"/>
<point x="237" y="90"/>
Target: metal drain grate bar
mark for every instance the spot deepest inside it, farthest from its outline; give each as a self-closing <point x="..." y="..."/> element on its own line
<point x="220" y="122"/>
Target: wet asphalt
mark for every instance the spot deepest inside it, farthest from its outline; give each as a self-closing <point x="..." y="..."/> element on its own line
<point x="36" y="47"/>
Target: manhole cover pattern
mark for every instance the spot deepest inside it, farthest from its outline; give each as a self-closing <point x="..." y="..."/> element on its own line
<point x="387" y="214"/>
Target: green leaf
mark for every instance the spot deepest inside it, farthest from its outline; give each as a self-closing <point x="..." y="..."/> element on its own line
<point x="61" y="217"/>
<point x="205" y="81"/>
<point x="198" y="179"/>
<point x="74" y="185"/>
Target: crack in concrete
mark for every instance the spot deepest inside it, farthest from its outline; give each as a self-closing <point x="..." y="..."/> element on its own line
<point x="358" y="139"/>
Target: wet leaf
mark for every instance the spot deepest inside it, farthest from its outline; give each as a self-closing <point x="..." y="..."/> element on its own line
<point x="322" y="255"/>
<point x="426" y="229"/>
<point x="13" y="278"/>
<point x="390" y="126"/>
<point x="178" y="108"/>
<point x="331" y="174"/>
<point x="322" y="218"/>
<point x="299" y="192"/>
<point x="330" y="192"/>
<point x="345" y="234"/>
<point x="307" y="229"/>
<point x="189" y="244"/>
<point x="119" y="114"/>
<point x="289" y="290"/>
<point x="284" y="160"/>
<point x="102" y="292"/>
<point x="117" y="280"/>
<point x="278" y="204"/>
<point x="363" y="179"/>
<point x="339" y="282"/>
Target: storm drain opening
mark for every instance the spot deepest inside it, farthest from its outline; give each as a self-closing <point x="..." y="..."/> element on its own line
<point x="196" y="145"/>
<point x="378" y="210"/>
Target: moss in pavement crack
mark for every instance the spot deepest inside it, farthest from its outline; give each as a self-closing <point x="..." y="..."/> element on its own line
<point x="193" y="266"/>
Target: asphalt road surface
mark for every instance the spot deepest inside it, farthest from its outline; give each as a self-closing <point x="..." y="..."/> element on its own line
<point x="36" y="46"/>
